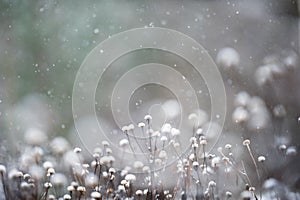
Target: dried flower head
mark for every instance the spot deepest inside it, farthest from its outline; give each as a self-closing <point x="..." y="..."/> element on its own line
<point x="246" y="142"/>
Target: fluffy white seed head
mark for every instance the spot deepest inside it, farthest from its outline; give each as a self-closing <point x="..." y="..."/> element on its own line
<point x="47" y="185"/>
<point x="50" y="171"/>
<point x="228" y="58"/>
<point x="81" y="189"/>
<point x="59" y="179"/>
<point x="261" y="158"/>
<point x="130" y="127"/>
<point x="148" y="117"/>
<point x="121" y="188"/>
<point x="291" y="151"/>
<point x="59" y="145"/>
<point x="215" y="161"/>
<point x="228" y="146"/>
<point x="77" y="150"/>
<point x="36" y="171"/>
<point x="199" y="131"/>
<point x="125" y="129"/>
<point x="71" y="188"/>
<point x="166" y="128"/>
<point x="2" y="169"/>
<point x="263" y="75"/>
<point x="141" y="124"/>
<point x="47" y="165"/>
<point x="35" y="136"/>
<point x="67" y="197"/>
<point x="130" y="177"/>
<point x="96" y="195"/>
<point x="279" y="111"/>
<point x="241" y="99"/>
<point x="246" y="142"/>
<point x="163" y="139"/>
<point x="240" y="115"/>
<point x="139" y="192"/>
<point x="212" y="184"/>
<point x="91" y="180"/>
<point x="105" y="143"/>
<point x="175" y="132"/>
<point x="138" y="165"/>
<point x="162" y="154"/>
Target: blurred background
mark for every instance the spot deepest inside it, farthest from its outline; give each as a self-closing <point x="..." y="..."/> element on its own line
<point x="43" y="43"/>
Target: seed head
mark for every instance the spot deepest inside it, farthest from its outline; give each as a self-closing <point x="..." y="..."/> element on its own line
<point x="139" y="192"/>
<point x="261" y="158"/>
<point x="81" y="189"/>
<point x="175" y="132"/>
<point x="138" y="165"/>
<point x="246" y="142"/>
<point x="125" y="129"/>
<point x="105" y="143"/>
<point x="2" y="169"/>
<point x="47" y="185"/>
<point x="163" y="139"/>
<point x="123" y="142"/>
<point x="96" y="195"/>
<point x="130" y="127"/>
<point x="141" y="124"/>
<point x="67" y="197"/>
<point x="130" y="177"/>
<point x="77" y="150"/>
<point x="148" y="117"/>
<point x="228" y="146"/>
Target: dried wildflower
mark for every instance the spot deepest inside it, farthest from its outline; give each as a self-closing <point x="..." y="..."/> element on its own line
<point x="138" y="165"/>
<point x="125" y="129"/>
<point x="71" y="188"/>
<point x="47" y="185"/>
<point x="130" y="177"/>
<point x="81" y="189"/>
<point x="105" y="143"/>
<point x="228" y="194"/>
<point x="163" y="138"/>
<point x="121" y="188"/>
<point x="261" y="158"/>
<point x="139" y="192"/>
<point x="59" y="145"/>
<point x="148" y="117"/>
<point x="228" y="58"/>
<point x="141" y="124"/>
<point x="35" y="136"/>
<point x="203" y="142"/>
<point x="212" y="184"/>
<point x="123" y="143"/>
<point x="228" y="146"/>
<point x="67" y="197"/>
<point x="175" y="132"/>
<point x="59" y="180"/>
<point x="130" y="127"/>
<point x="291" y="151"/>
<point x="240" y="115"/>
<point x="199" y="131"/>
<point x="77" y="150"/>
<point x="246" y="142"/>
<point x="50" y="171"/>
<point x="47" y="165"/>
<point x="162" y="154"/>
<point x="282" y="147"/>
<point x="2" y="169"/>
<point x="195" y="164"/>
<point x="96" y="195"/>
